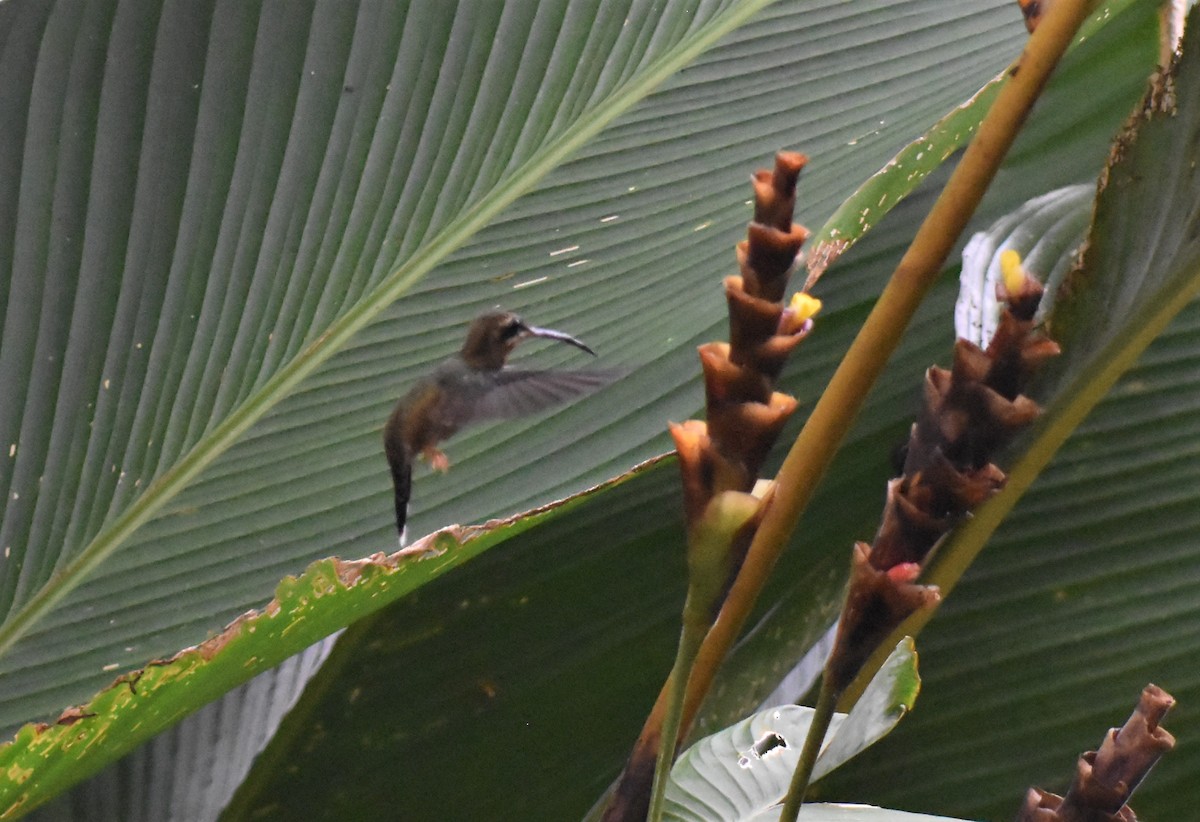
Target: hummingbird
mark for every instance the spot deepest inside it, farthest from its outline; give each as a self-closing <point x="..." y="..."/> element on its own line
<point x="472" y="386"/>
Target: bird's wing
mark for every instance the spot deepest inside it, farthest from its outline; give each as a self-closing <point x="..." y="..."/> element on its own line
<point x="517" y="392"/>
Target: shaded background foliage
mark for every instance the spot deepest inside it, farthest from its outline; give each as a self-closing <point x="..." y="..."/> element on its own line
<point x="203" y="151"/>
<point x="226" y="182"/>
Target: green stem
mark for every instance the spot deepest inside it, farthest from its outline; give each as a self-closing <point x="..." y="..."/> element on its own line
<point x="822" y="716"/>
<point x="689" y="643"/>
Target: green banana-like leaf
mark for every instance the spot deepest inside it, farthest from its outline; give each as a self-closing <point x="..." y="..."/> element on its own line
<point x="318" y="485"/>
<point x="554" y="675"/>
<point x="253" y="191"/>
<point x="831" y="812"/>
<point x="1085" y="595"/>
<point x="43" y="760"/>
<point x="1048" y="233"/>
<point x="233" y="198"/>
<point x="745" y="769"/>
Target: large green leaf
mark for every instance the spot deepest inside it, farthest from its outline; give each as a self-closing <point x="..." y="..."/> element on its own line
<point x="474" y="682"/>
<point x="44" y="759"/>
<point x="1086" y="593"/>
<point x="876" y="197"/>
<point x="232" y="194"/>
<point x="832" y="812"/>
<point x="189" y="772"/>
<point x="212" y="521"/>
<point x="744" y="770"/>
<point x="230" y="197"/>
<point x="253" y="191"/>
<point x="1047" y="232"/>
<point x="599" y="691"/>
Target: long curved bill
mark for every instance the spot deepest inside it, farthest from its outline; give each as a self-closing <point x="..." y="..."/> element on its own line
<point x="551" y="334"/>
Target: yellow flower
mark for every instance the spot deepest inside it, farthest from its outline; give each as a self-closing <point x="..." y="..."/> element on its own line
<point x="1012" y="271"/>
<point x="804" y="306"/>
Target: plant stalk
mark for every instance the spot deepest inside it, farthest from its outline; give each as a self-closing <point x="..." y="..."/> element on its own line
<point x="822" y="716"/>
<point x="916" y="272"/>
<point x="689" y="643"/>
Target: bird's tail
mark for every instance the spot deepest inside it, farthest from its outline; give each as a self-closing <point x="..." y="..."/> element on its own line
<point x="400" y="461"/>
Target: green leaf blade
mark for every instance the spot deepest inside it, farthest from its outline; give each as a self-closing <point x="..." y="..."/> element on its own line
<point x="743" y="771"/>
<point x="327" y="597"/>
<point x="1081" y="600"/>
<point x="147" y="447"/>
<point x="279" y="495"/>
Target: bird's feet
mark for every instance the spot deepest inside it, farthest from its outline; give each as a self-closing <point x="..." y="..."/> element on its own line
<point x="438" y="461"/>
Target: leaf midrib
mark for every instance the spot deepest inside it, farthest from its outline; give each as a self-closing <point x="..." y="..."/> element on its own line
<point x="456" y="233"/>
